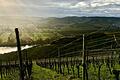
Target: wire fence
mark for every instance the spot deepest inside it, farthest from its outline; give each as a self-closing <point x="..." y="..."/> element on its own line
<point x="95" y="56"/>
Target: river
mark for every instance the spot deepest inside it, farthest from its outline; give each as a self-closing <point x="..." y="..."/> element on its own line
<point x="11" y="49"/>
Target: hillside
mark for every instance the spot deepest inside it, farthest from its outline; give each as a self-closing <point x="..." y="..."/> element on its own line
<point x="38" y="30"/>
<point x="71" y="46"/>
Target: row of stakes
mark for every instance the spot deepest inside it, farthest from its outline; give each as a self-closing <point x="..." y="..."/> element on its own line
<point x="71" y="65"/>
<point x="8" y="68"/>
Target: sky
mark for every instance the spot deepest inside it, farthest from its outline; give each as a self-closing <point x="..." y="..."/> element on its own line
<point x="60" y="8"/>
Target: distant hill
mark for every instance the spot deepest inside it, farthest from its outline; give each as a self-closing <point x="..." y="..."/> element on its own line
<point x="34" y="30"/>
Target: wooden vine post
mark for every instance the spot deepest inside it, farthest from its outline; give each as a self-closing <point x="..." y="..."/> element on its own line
<point x="59" y="62"/>
<point x="20" y="55"/>
<point x="84" y="59"/>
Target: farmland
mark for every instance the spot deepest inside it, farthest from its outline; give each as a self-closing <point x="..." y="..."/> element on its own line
<point x="86" y="48"/>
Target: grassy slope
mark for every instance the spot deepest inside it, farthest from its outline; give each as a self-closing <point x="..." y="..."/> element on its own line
<point x="40" y="73"/>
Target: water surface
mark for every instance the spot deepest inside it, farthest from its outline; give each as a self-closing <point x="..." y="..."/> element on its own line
<point x="11" y="49"/>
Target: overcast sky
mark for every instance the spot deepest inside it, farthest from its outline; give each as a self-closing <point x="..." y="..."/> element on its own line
<point x="60" y="8"/>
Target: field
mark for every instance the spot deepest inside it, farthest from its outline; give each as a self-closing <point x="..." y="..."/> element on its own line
<point x="70" y="52"/>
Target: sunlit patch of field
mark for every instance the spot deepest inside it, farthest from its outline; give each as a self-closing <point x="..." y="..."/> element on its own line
<point x="40" y="73"/>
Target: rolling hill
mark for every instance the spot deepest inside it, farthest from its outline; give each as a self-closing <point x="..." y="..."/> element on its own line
<point x="35" y="30"/>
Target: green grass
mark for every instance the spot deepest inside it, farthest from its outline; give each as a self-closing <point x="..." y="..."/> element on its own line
<point x="40" y="73"/>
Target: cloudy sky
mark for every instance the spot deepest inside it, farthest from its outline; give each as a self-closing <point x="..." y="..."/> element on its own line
<point x="60" y="8"/>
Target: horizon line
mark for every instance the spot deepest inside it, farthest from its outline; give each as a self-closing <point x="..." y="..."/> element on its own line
<point x="63" y="16"/>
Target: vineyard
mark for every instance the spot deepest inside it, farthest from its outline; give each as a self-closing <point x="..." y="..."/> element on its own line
<point x="92" y="56"/>
<point x="59" y="39"/>
<point x="10" y="70"/>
